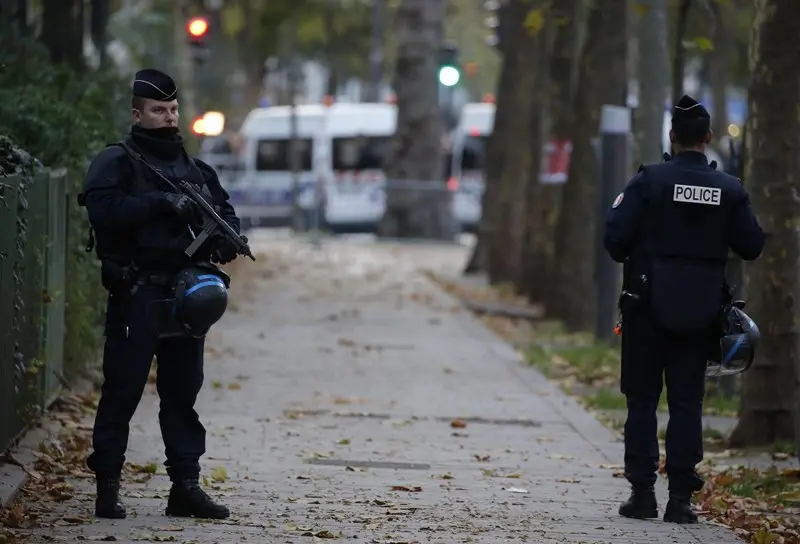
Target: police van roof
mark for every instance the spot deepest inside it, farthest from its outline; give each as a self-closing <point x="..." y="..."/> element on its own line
<point x="356" y="118"/>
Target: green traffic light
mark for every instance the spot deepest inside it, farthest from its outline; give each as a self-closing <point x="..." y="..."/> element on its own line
<point x="449" y="76"/>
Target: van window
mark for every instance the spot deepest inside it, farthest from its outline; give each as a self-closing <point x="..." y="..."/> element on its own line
<point x="273" y="155"/>
<point x="360" y="153"/>
<point x="473" y="156"/>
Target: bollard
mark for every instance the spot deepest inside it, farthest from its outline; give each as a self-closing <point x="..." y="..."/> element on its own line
<point x="615" y="126"/>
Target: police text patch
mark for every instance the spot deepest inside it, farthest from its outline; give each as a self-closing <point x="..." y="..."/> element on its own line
<point x="697" y="195"/>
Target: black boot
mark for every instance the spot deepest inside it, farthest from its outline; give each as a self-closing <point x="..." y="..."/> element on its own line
<point x="641" y="504"/>
<point x="187" y="499"/>
<point x="107" y="503"/>
<point x="679" y="509"/>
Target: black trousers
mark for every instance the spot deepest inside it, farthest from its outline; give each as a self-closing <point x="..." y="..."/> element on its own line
<point x="130" y="344"/>
<point x="651" y="357"/>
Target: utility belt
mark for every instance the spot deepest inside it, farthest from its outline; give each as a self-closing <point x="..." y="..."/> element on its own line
<point x="637" y="294"/>
<point x="119" y="277"/>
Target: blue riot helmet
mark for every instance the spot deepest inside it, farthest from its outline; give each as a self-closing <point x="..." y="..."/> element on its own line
<point x="201" y="298"/>
<point x="740" y="338"/>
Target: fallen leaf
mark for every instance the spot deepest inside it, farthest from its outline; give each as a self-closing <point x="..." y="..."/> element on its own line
<point x="219" y="474"/>
<point x="412" y="489"/>
<point x="458" y="424"/>
<point x="234" y="386"/>
<point x="323" y="534"/>
<point x="568" y="480"/>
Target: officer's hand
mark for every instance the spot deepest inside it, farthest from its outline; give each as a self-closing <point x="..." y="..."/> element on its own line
<point x="226" y="251"/>
<point x="181" y="205"/>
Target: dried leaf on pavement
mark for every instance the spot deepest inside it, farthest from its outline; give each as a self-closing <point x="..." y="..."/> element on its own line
<point x="757" y="504"/>
<point x="458" y="424"/>
<point x="219" y="474"/>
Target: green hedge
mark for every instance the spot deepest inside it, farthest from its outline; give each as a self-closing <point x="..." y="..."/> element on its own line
<point x="62" y="119"/>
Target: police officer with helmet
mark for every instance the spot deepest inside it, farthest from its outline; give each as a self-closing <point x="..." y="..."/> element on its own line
<point x="672" y="226"/>
<point x="160" y="302"/>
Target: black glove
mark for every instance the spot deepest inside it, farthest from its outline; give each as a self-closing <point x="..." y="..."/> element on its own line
<point x="181" y="205"/>
<point x="226" y="251"/>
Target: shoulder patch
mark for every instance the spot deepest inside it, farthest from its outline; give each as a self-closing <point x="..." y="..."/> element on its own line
<point x="711" y="196"/>
<point x="618" y="200"/>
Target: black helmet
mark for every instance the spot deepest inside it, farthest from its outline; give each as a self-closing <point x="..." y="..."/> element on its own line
<point x="740" y="338"/>
<point x="201" y="298"/>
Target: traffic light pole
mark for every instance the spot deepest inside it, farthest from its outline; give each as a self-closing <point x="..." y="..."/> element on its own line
<point x="294" y="158"/>
<point x="376" y="54"/>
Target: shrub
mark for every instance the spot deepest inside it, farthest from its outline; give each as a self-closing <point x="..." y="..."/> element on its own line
<point x="62" y="118"/>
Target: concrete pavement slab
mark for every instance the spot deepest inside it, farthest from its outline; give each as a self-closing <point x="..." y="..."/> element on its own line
<point x="347" y="397"/>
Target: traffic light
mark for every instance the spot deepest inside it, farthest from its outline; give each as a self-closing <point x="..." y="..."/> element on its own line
<point x="449" y="72"/>
<point x="197" y="31"/>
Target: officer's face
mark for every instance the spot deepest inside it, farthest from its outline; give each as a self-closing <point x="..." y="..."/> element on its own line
<point x="156" y="114"/>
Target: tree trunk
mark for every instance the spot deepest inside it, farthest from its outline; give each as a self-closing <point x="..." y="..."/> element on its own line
<point x="653" y="85"/>
<point x="510" y="168"/>
<point x="679" y="61"/>
<point x="773" y="168"/>
<point x="412" y="209"/>
<point x="719" y="70"/>
<point x="495" y="155"/>
<point x="98" y="25"/>
<point x="602" y="80"/>
<point x="62" y="31"/>
<point x="536" y="254"/>
<point x="564" y="68"/>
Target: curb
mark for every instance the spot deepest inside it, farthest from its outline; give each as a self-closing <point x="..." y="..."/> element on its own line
<point x="14" y="477"/>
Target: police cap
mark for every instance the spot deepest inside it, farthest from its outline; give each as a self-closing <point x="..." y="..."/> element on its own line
<point x="155" y="85"/>
<point x="689" y="109"/>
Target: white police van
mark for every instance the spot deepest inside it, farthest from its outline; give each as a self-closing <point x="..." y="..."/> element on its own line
<point x="342" y="148"/>
<point x="469" y="159"/>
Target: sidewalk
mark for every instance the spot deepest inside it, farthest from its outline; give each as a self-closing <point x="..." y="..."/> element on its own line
<point x="347" y="397"/>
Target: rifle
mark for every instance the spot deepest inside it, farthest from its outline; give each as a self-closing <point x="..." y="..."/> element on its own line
<point x="212" y="222"/>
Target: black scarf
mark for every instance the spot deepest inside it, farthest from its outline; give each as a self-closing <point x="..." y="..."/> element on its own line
<point x="163" y="143"/>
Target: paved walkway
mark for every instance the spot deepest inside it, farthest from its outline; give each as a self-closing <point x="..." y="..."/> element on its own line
<point x="347" y="397"/>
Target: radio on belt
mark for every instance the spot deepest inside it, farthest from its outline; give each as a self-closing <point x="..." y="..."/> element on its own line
<point x="711" y="196"/>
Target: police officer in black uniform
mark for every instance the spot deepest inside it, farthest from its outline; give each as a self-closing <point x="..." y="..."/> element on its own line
<point x="141" y="232"/>
<point x="672" y="226"/>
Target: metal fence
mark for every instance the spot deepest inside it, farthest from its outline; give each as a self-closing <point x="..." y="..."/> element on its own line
<point x="33" y="230"/>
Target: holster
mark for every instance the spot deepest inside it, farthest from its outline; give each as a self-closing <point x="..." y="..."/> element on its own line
<point x="117" y="277"/>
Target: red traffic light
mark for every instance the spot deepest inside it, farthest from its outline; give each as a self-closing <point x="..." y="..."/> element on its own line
<point x="197" y="27"/>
